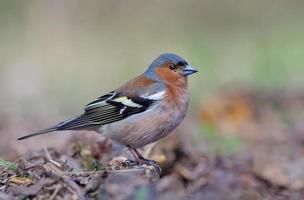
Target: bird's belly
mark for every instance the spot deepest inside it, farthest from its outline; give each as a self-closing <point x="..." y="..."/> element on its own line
<point x="142" y="129"/>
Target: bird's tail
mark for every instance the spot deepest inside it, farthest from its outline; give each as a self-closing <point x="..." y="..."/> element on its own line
<point x="48" y="130"/>
<point x="79" y="122"/>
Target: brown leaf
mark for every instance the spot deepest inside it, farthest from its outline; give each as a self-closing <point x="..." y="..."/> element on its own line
<point x="50" y="167"/>
<point x="20" y="180"/>
<point x="33" y="189"/>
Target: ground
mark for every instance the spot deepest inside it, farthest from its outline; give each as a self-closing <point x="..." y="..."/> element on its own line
<point x="248" y="144"/>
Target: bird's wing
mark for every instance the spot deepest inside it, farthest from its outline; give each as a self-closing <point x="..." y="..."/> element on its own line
<point x="111" y="107"/>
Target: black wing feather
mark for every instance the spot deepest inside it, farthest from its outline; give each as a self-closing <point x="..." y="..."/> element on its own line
<point x="102" y="111"/>
<point x="106" y="110"/>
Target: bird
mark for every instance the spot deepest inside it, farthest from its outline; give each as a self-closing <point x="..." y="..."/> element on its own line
<point x="140" y="112"/>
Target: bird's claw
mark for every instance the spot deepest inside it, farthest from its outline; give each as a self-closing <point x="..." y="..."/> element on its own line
<point x="152" y="163"/>
<point x="132" y="163"/>
<point x="156" y="170"/>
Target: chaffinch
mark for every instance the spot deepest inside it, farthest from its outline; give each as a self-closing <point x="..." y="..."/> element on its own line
<point x="140" y="112"/>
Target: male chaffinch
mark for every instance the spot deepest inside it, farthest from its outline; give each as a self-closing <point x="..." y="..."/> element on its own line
<point x="140" y="112"/>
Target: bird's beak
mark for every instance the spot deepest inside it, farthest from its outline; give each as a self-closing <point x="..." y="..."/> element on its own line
<point x="188" y="70"/>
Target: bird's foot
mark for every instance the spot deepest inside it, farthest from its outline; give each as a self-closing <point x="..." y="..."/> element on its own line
<point x="147" y="161"/>
<point x="141" y="161"/>
<point x="130" y="163"/>
<point x="152" y="163"/>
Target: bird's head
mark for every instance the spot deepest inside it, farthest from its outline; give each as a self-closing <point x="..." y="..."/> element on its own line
<point x="169" y="68"/>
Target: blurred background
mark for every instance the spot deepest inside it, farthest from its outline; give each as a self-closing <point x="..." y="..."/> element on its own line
<point x="247" y="99"/>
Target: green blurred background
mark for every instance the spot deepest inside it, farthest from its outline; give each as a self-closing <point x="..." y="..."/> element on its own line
<point x="56" y="56"/>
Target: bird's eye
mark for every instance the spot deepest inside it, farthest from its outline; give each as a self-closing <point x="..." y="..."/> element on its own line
<point x="172" y="66"/>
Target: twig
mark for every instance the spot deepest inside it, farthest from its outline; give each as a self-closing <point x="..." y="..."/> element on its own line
<point x="123" y="171"/>
<point x="55" y="192"/>
<point x="73" y="188"/>
<point x="50" y="159"/>
<point x="85" y="174"/>
<point x="36" y="175"/>
<point x="47" y="153"/>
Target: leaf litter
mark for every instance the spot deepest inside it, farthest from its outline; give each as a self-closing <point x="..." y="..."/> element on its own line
<point x="267" y="165"/>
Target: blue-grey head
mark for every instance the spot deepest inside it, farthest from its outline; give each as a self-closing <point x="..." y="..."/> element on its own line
<point x="169" y="66"/>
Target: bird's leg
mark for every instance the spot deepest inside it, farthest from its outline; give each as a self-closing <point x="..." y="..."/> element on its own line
<point x="134" y="154"/>
<point x="140" y="158"/>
